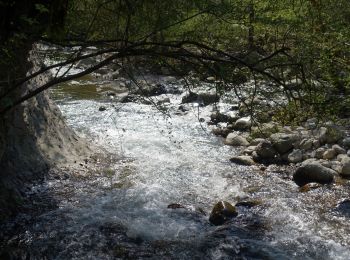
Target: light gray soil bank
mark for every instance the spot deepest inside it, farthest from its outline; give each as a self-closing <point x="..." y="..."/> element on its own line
<point x="33" y="138"/>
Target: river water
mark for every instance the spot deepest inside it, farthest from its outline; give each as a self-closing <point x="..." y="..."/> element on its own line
<point x="120" y="210"/>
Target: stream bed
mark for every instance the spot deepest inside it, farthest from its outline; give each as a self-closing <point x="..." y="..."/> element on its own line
<point x="121" y="211"/>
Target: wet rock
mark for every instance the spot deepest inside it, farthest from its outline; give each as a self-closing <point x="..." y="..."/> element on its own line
<point x="329" y="154"/>
<point x="242" y="124"/>
<point x="102" y="108"/>
<point x="211" y="79"/>
<point x="310" y="186"/>
<point x="203" y="98"/>
<point x="128" y="98"/>
<point x="283" y="142"/>
<point x="224" y="131"/>
<point x="236" y="140"/>
<point x="218" y="117"/>
<point x="295" y="156"/>
<point x="265" y="150"/>
<point x="249" y="203"/>
<point x="313" y="172"/>
<point x="175" y="206"/>
<point x="222" y="212"/>
<point x="242" y="160"/>
<point x="344" y="207"/>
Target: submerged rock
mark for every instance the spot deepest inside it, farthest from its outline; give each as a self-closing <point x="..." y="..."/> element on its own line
<point x="222" y="212"/>
<point x="313" y="172"/>
<point x="175" y="206"/>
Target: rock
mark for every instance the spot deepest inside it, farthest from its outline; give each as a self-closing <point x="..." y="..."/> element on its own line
<point x="175" y="206"/>
<point x="338" y="149"/>
<point x="257" y="141"/>
<point x="346" y="142"/>
<point x="313" y="172"/>
<point x="311" y="123"/>
<point x="222" y="212"/>
<point x="341" y="156"/>
<point x="344" y="207"/>
<point x="218" y="117"/>
<point x="265" y="150"/>
<point x="295" y="156"/>
<point x="319" y="152"/>
<point x="283" y="142"/>
<point x="308" y="187"/>
<point x="242" y="160"/>
<point x="211" y="79"/>
<point x="306" y="144"/>
<point x="249" y="150"/>
<point x="149" y="90"/>
<point x="348" y="153"/>
<point x="329" y="134"/>
<point x="203" y="98"/>
<point x="128" y="98"/>
<point x="264" y="130"/>
<point x="336" y="166"/>
<point x="221" y="131"/>
<point x="345" y="171"/>
<point x="316" y="144"/>
<point x="242" y="124"/>
<point x="329" y="154"/>
<point x="102" y="108"/>
<point x="163" y="100"/>
<point x="248" y="203"/>
<point x="236" y="140"/>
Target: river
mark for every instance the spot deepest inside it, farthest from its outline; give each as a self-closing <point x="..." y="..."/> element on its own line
<point x="120" y="210"/>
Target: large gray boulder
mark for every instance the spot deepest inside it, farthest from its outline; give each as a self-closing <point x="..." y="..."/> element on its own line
<point x="283" y="142"/>
<point x="242" y="124"/>
<point x="313" y="172"/>
<point x="295" y="156"/>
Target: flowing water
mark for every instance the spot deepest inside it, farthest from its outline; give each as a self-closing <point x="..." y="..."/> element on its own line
<point x="120" y="210"/>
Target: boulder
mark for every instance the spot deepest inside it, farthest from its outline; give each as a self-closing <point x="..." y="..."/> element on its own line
<point x="306" y="144"/>
<point x="295" y="156"/>
<point x="203" y="98"/>
<point x="257" y="141"/>
<point x="242" y="160"/>
<point x="236" y="140"/>
<point x="243" y="124"/>
<point x="222" y="212"/>
<point x="329" y="134"/>
<point x="319" y="152"/>
<point x="313" y="172"/>
<point x="345" y="170"/>
<point x="283" y="142"/>
<point x="329" y="154"/>
<point x="338" y="149"/>
<point x="265" y="150"/>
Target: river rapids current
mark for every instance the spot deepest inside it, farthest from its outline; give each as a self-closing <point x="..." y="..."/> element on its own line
<point x="120" y="211"/>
